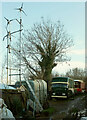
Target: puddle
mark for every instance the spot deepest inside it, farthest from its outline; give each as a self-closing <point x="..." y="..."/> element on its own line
<point x="44" y="118"/>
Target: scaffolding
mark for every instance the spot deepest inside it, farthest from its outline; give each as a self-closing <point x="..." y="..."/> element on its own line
<point x="8" y="36"/>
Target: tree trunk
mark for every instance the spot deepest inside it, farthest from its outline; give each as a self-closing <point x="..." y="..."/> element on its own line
<point x="48" y="78"/>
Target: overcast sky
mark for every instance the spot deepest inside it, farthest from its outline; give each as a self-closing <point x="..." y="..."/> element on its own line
<point x="71" y="14"/>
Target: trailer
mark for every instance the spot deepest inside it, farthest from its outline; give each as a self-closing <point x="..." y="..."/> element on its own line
<point x="37" y="90"/>
<point x="79" y="86"/>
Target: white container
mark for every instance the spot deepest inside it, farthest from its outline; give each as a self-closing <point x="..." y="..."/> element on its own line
<point x="41" y="89"/>
<point x="37" y="93"/>
<point x="45" y="90"/>
<point x="36" y="89"/>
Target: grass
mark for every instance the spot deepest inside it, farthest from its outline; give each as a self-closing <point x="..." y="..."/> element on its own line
<point x="48" y="111"/>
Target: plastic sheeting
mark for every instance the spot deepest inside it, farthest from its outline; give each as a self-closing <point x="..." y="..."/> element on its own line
<point x="83" y="118"/>
<point x="3" y="86"/>
<point x="4" y="112"/>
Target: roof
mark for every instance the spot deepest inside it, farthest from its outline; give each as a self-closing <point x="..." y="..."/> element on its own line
<point x="60" y="77"/>
<point x="78" y="80"/>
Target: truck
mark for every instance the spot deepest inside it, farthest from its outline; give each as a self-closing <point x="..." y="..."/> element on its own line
<point x="79" y="86"/>
<point x="62" y="87"/>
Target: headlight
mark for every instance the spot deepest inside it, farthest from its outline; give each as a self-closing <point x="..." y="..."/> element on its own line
<point x="63" y="94"/>
<point x="53" y="93"/>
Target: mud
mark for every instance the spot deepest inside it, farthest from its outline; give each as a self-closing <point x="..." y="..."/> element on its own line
<point x="62" y="107"/>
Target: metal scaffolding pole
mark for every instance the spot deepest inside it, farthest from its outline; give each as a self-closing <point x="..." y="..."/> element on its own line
<point x="20" y="50"/>
<point x="7" y="60"/>
<point x="20" y="22"/>
<point x="9" y="46"/>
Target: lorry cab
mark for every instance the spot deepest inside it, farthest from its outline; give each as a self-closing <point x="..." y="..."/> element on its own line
<point x="62" y="87"/>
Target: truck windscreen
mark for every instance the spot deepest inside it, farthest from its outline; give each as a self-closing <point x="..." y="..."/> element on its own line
<point x="59" y="79"/>
<point x="59" y="85"/>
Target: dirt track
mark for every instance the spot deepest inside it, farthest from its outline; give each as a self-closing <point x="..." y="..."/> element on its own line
<point x="63" y="106"/>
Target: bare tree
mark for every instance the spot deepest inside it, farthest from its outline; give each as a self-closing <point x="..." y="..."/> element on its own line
<point x="45" y="44"/>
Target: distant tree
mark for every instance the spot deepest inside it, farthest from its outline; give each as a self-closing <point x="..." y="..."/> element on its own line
<point x="76" y="73"/>
<point x="44" y="45"/>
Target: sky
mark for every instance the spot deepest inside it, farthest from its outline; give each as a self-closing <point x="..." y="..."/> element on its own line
<point x="71" y="14"/>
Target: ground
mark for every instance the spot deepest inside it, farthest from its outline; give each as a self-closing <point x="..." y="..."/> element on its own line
<point x="66" y="108"/>
<point x="62" y="109"/>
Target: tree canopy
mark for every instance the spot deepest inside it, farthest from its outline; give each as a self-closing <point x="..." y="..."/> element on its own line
<point x="45" y="44"/>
